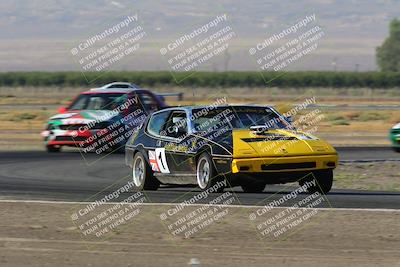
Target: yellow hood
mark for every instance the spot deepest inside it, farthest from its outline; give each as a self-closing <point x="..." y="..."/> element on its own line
<point x="272" y="143"/>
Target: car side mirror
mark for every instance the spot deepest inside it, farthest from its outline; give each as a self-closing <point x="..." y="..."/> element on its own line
<point x="289" y="119"/>
<point x="62" y="109"/>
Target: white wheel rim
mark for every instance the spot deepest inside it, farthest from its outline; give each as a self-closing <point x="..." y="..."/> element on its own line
<point x="203" y="173"/>
<point x="138" y="172"/>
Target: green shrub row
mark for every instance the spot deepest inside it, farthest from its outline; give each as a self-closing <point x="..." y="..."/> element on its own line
<point x="206" y="79"/>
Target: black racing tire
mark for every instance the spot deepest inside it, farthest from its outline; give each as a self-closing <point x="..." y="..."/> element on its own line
<point x="253" y="187"/>
<point x="142" y="175"/>
<point x="396" y="149"/>
<point x="323" y="179"/>
<point x="53" y="149"/>
<point x="206" y="175"/>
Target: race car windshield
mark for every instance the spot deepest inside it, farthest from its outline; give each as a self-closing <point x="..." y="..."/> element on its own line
<point x="98" y="101"/>
<point x="238" y="118"/>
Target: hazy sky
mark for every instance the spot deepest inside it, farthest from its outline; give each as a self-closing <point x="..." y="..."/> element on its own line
<point x="39" y="35"/>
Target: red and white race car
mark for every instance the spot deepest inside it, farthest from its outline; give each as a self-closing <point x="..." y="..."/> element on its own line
<point x="90" y="122"/>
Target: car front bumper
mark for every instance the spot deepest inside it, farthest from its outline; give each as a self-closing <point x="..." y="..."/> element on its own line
<point x="284" y="164"/>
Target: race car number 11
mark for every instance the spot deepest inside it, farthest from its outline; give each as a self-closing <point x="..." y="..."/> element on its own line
<point x="158" y="161"/>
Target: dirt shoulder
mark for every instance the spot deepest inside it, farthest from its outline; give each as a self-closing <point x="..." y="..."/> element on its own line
<point x="378" y="176"/>
<point x="40" y="234"/>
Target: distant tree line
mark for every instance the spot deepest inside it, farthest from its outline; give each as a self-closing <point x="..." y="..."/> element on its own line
<point x="206" y="79"/>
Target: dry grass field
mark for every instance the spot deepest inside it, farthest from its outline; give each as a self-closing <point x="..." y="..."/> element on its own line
<point x="25" y="110"/>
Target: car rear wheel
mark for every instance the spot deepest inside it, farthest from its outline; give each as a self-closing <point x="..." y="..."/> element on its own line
<point x="53" y="149"/>
<point x="206" y="174"/>
<point x="143" y="178"/>
<point x="396" y="149"/>
<point x="253" y="187"/>
<point x="323" y="181"/>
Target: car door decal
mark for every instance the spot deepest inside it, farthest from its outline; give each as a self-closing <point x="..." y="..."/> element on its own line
<point x="158" y="160"/>
<point x="153" y="161"/>
<point x="162" y="160"/>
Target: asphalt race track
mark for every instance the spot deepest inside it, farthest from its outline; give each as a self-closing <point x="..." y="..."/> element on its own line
<point x="68" y="176"/>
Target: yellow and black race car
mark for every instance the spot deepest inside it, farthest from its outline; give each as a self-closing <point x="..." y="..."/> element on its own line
<point x="250" y="146"/>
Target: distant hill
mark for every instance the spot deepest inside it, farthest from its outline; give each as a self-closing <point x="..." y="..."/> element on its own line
<point x="38" y="35"/>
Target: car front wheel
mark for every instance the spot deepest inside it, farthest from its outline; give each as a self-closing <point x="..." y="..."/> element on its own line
<point x="143" y="178"/>
<point x="323" y="181"/>
<point x="53" y="149"/>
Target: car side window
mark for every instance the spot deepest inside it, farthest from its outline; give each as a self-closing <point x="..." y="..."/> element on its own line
<point x="156" y="122"/>
<point x="176" y="126"/>
<point x="148" y="101"/>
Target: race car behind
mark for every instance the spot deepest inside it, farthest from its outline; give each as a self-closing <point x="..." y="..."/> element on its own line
<point x="93" y="116"/>
<point x="394" y="137"/>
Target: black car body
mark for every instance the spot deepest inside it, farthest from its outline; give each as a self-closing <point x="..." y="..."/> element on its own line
<point x="181" y="145"/>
